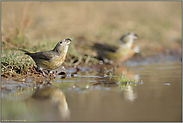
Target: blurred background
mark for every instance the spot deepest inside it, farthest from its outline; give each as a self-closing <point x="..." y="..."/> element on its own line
<point x="38" y="26"/>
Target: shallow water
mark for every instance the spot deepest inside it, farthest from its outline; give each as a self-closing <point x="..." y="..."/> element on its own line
<point x="154" y="94"/>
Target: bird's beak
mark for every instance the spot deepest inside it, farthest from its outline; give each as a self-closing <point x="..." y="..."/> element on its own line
<point x="68" y="41"/>
<point x="136" y="35"/>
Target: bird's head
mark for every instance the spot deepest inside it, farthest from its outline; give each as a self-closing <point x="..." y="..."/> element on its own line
<point x="62" y="46"/>
<point x="128" y="38"/>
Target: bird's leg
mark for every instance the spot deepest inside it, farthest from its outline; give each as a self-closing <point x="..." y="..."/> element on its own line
<point x="49" y="71"/>
<point x="43" y="72"/>
<point x="36" y="71"/>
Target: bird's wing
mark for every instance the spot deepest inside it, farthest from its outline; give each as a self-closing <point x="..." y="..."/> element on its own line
<point x="43" y="55"/>
<point x="105" y="47"/>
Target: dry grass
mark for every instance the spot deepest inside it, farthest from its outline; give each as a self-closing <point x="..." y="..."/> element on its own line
<point x="27" y="24"/>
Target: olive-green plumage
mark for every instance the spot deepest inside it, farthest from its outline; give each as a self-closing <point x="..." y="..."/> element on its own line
<point x="119" y="50"/>
<point x="50" y="60"/>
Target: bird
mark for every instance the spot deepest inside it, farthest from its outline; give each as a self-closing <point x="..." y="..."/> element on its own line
<point x="50" y="60"/>
<point x="122" y="50"/>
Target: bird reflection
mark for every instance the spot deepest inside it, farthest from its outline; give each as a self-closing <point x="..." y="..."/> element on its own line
<point x="121" y="77"/>
<point x="129" y="93"/>
<point x="48" y="103"/>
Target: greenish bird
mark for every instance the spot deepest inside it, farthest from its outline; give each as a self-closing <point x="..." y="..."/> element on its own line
<point x="120" y="51"/>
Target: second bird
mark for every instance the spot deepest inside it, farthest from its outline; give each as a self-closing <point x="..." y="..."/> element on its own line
<point x="121" y="51"/>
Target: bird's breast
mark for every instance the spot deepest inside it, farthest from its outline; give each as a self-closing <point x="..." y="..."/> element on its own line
<point x="118" y="54"/>
<point x="53" y="63"/>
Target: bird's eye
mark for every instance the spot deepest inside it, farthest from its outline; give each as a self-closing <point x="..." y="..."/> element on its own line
<point x="60" y="42"/>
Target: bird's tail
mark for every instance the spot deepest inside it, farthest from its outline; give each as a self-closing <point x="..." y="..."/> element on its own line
<point x="26" y="52"/>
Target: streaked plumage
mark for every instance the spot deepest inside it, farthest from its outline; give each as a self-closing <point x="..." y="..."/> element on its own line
<point x="50" y="60"/>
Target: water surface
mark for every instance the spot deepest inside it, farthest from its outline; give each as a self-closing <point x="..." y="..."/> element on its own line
<point x="153" y="95"/>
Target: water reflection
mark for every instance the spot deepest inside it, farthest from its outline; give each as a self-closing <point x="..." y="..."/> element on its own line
<point x="152" y="99"/>
<point x="129" y="93"/>
<point x="48" y="103"/>
<point x="123" y="78"/>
